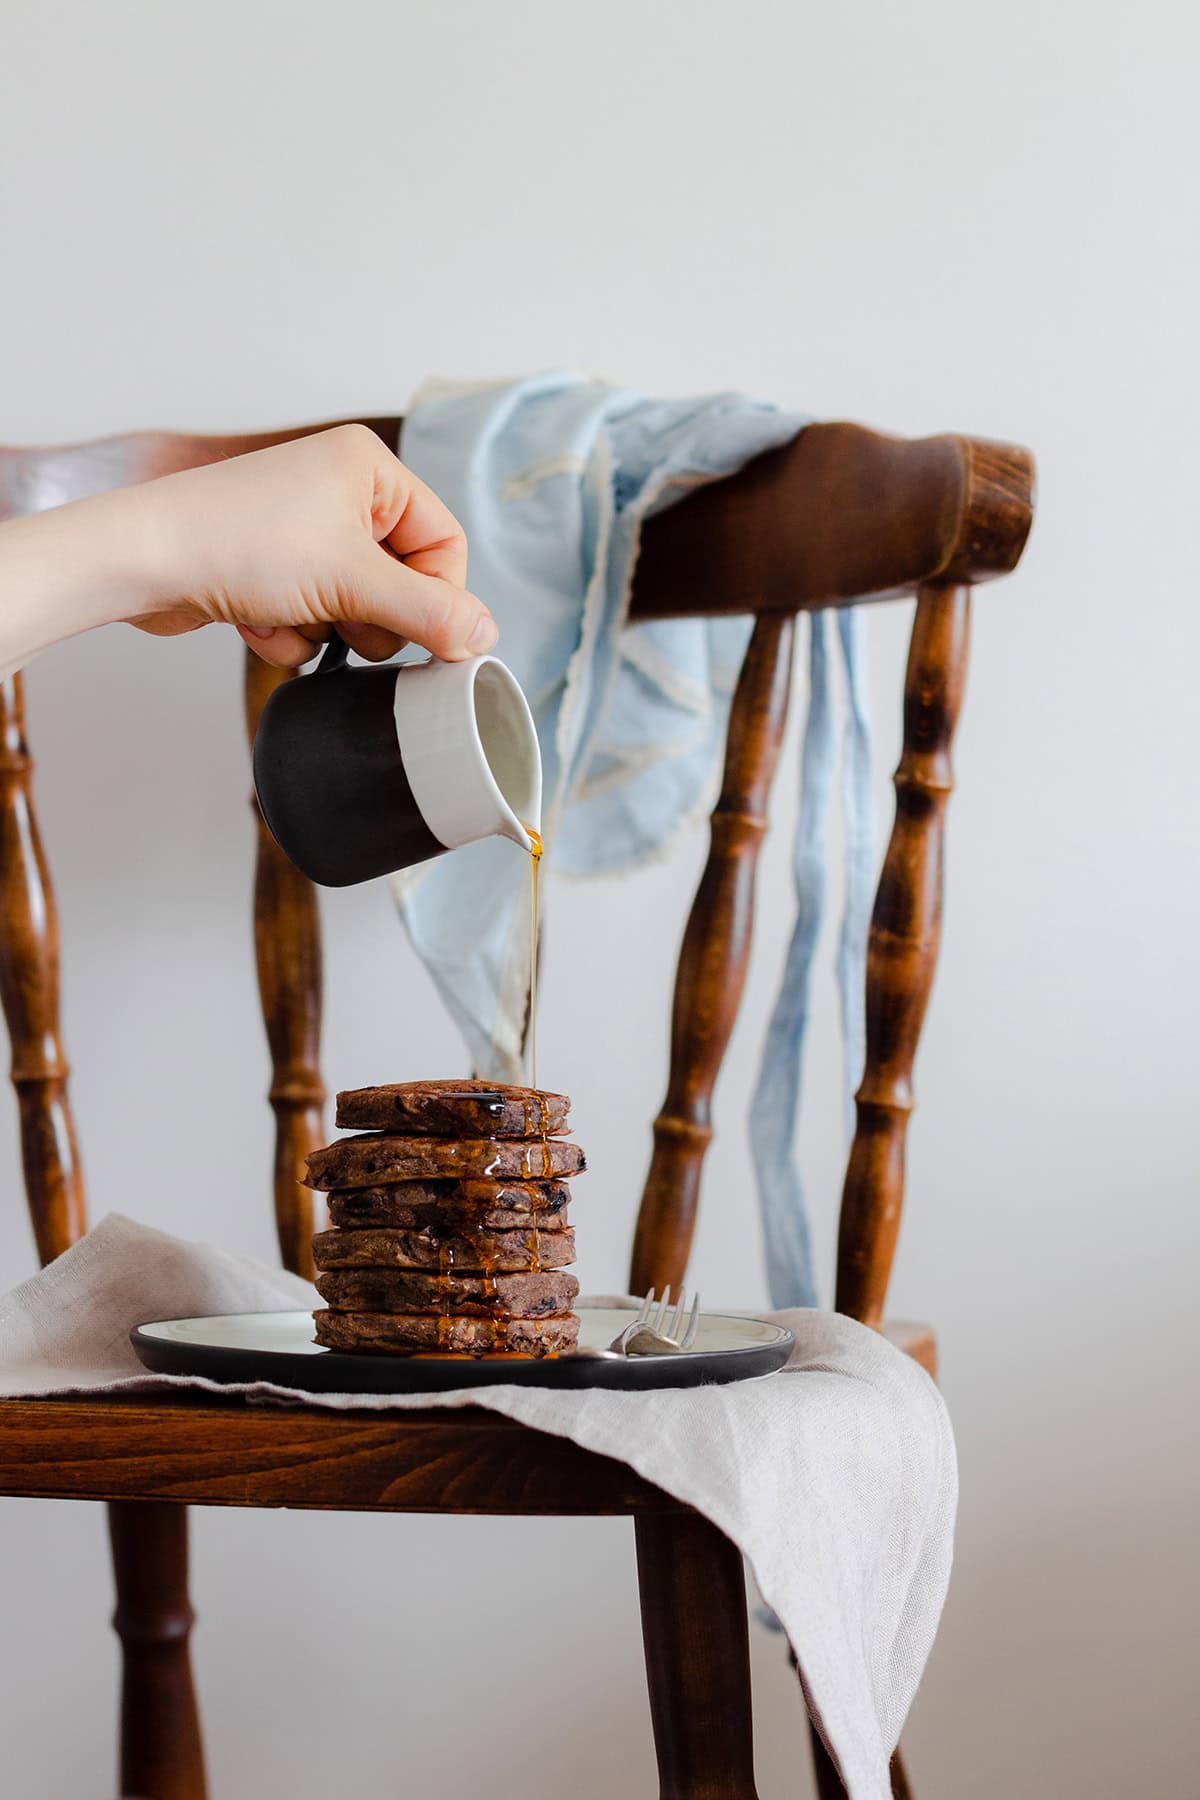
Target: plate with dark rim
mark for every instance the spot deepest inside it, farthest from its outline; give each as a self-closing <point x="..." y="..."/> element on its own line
<point x="278" y="1347"/>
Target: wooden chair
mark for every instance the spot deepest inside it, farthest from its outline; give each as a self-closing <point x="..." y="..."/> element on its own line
<point x="839" y="513"/>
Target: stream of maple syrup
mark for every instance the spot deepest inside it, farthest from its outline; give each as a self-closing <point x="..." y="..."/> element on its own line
<point x="537" y="1099"/>
<point x="535" y="864"/>
<point x="537" y="1163"/>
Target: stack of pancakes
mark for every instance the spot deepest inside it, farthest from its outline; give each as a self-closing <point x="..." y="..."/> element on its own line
<point x="449" y="1216"/>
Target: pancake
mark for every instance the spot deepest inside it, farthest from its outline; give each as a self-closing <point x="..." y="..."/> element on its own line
<point x="529" y="1296"/>
<point x="445" y="1249"/>
<point x="394" y="1334"/>
<point x="500" y="1205"/>
<point x="381" y="1160"/>
<point x="454" y="1109"/>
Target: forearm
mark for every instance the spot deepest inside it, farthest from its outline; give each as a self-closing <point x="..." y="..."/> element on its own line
<point x="70" y="569"/>
<point x="327" y="531"/>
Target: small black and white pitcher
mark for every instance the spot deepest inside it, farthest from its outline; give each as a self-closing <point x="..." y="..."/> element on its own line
<point x="362" y="771"/>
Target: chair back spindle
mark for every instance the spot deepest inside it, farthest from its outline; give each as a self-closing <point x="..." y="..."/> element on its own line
<point x="902" y="951"/>
<point x="712" y="961"/>
<point x="901" y="955"/>
<point x="287" y="944"/>
<point x="29" y="992"/>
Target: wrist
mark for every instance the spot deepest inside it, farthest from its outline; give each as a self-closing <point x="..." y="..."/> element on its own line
<point x="68" y="570"/>
<point x="131" y="548"/>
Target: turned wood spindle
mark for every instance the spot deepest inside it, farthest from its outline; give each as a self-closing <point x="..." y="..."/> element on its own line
<point x="29" y="990"/>
<point x="902" y="951"/>
<point x="287" y="942"/>
<point x="712" y="962"/>
<point x="160" y="1737"/>
<point x="697" y="1643"/>
<point x="161" y="1753"/>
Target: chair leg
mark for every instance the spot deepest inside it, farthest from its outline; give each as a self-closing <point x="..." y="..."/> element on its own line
<point x="697" y="1645"/>
<point x="161" y="1754"/>
<point x="829" y="1782"/>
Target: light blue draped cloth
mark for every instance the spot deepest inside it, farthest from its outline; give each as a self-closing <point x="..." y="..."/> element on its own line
<point x="551" y="478"/>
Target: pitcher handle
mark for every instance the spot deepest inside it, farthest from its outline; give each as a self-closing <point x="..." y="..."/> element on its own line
<point x="334" y="656"/>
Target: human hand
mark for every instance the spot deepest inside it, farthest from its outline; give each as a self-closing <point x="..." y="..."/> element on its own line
<point x="286" y="543"/>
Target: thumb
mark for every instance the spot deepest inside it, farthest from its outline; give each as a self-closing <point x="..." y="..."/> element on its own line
<point x="445" y="620"/>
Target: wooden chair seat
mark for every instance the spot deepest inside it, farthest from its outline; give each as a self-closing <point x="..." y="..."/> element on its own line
<point x="217" y="1452"/>
<point x="839" y="514"/>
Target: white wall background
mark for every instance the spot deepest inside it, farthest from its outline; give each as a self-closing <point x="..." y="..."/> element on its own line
<point x="926" y="216"/>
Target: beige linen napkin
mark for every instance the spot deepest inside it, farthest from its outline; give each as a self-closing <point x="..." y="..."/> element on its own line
<point x="836" y="1477"/>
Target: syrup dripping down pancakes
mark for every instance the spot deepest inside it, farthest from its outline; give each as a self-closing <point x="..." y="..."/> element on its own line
<point x="448" y="1222"/>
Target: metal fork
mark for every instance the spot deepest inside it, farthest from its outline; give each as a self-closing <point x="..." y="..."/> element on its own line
<point x="650" y="1334"/>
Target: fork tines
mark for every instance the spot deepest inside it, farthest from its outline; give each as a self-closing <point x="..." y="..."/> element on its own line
<point x="657" y="1320"/>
